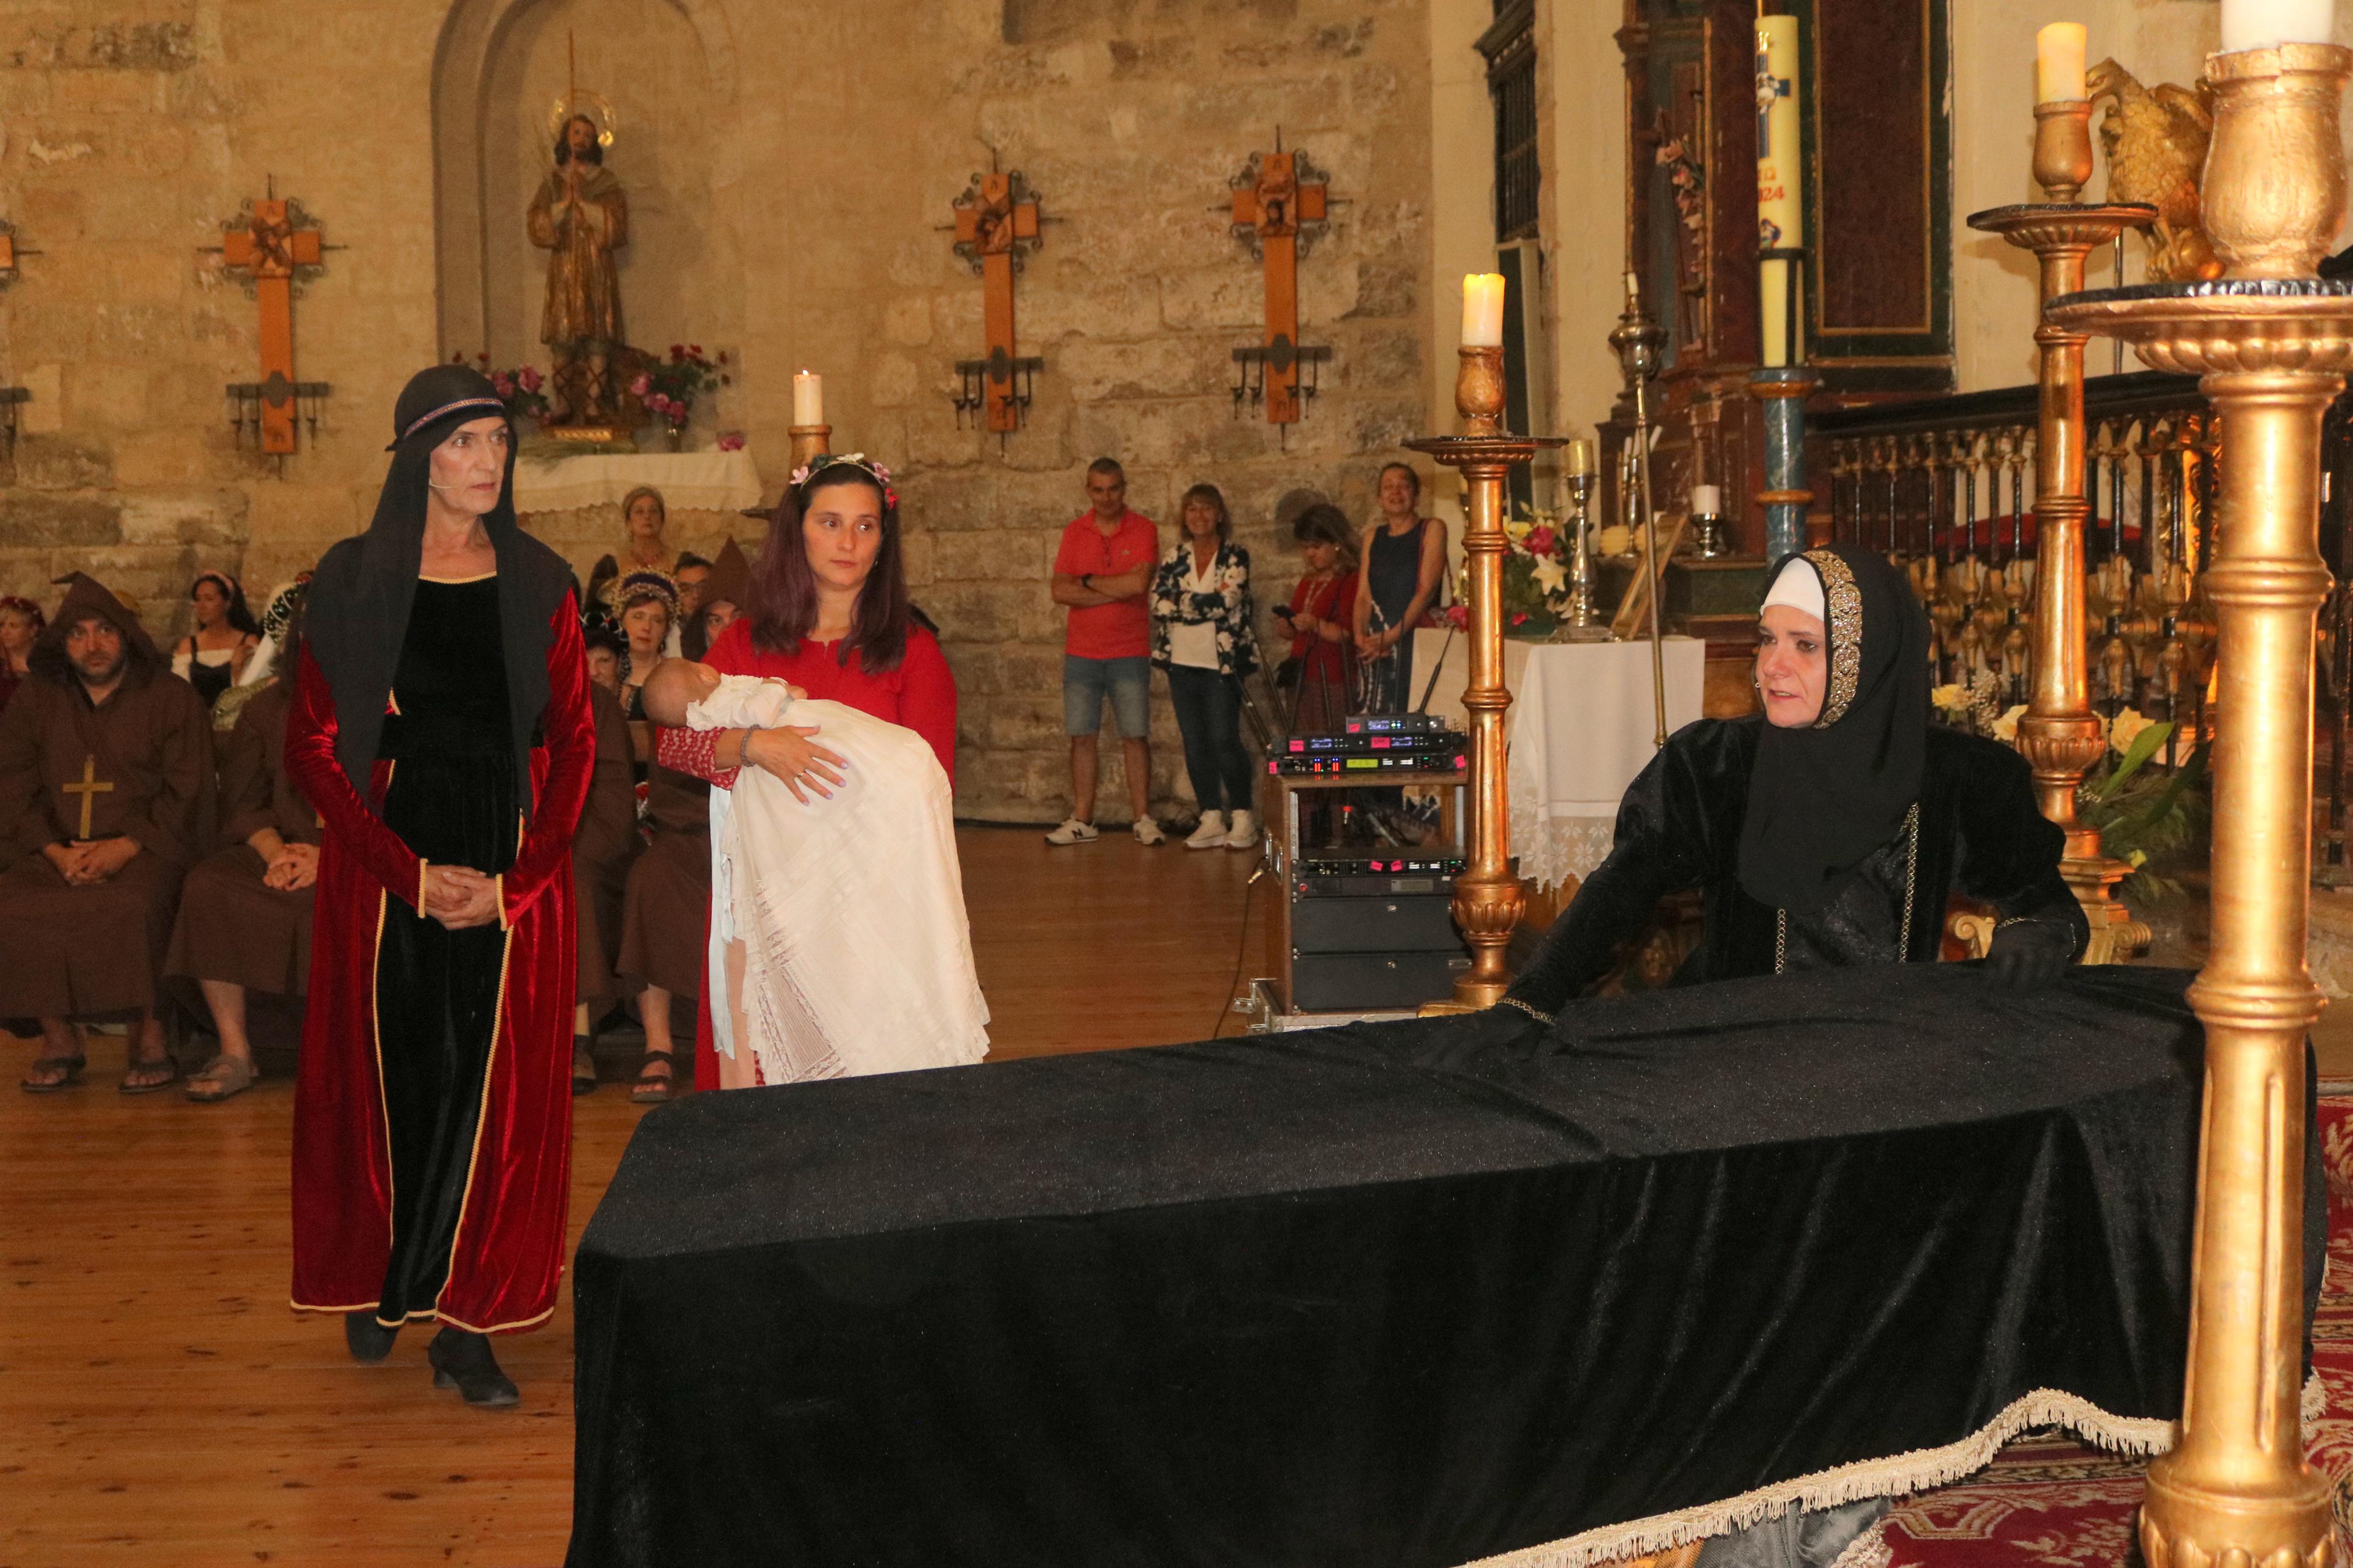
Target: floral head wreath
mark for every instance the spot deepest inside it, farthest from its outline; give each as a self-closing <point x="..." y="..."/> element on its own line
<point x="27" y="608"/>
<point x="659" y="585"/>
<point x="823" y="460"/>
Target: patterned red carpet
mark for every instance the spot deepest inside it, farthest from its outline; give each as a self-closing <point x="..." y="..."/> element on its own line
<point x="2050" y="1501"/>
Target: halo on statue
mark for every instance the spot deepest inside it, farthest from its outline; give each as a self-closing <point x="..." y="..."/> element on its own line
<point x="592" y="105"/>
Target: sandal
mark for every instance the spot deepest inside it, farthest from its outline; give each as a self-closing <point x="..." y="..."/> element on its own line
<point x="167" y="1064"/>
<point x="68" y="1068"/>
<point x="221" y="1077"/>
<point x="584" y="1071"/>
<point x="650" y="1089"/>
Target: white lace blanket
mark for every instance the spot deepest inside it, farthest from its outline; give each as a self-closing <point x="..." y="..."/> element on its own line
<point x="857" y="958"/>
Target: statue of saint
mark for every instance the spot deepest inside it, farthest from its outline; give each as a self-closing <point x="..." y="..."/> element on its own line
<point x="581" y="217"/>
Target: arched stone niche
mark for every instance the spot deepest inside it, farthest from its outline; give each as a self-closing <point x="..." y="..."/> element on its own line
<point x="668" y="69"/>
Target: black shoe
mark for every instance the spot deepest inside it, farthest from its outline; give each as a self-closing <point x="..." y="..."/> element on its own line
<point x="463" y="1361"/>
<point x="369" y="1340"/>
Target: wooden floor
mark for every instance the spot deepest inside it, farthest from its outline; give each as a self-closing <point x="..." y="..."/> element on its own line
<point x="159" y="1405"/>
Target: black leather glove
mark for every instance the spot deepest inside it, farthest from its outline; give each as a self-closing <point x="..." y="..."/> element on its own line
<point x="2027" y="953"/>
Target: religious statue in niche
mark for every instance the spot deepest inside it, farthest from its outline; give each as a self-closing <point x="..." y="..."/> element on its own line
<point x="581" y="217"/>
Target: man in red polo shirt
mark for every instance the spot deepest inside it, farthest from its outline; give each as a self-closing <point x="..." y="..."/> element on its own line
<point x="1101" y="573"/>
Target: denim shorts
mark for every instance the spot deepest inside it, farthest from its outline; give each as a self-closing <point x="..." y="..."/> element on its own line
<point x="1126" y="681"/>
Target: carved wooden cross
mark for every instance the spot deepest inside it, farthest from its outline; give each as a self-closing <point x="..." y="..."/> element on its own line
<point x="269" y="244"/>
<point x="1275" y="194"/>
<point x="996" y="225"/>
<point x="89" y="789"/>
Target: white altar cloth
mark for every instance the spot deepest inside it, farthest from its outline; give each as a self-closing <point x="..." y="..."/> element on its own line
<point x="1580" y="726"/>
<point x="689" y="481"/>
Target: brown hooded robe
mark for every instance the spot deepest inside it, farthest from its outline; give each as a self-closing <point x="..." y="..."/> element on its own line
<point x="74" y="951"/>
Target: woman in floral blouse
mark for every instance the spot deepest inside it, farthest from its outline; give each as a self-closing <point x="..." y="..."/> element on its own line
<point x="1201" y="635"/>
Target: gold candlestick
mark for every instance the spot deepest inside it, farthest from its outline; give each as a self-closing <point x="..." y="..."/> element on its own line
<point x="2271" y="353"/>
<point x="809" y="440"/>
<point x="1488" y="898"/>
<point x="2063" y="149"/>
<point x="2059" y="734"/>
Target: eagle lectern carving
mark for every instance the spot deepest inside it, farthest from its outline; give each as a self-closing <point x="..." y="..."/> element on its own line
<point x="2156" y="141"/>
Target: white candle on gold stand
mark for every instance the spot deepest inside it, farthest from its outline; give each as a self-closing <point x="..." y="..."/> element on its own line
<point x="1780" y="179"/>
<point x="1580" y="458"/>
<point x="2059" y="63"/>
<point x="1706" y="500"/>
<point x="809" y="398"/>
<point x="2266" y="24"/>
<point x="1483" y="311"/>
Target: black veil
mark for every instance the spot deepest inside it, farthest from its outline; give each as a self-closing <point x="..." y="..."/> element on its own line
<point x="357" y="611"/>
<point x="1820" y="799"/>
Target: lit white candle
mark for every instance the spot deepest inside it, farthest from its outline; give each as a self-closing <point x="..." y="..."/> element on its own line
<point x="1781" y="187"/>
<point x="2059" y="63"/>
<point x="1483" y="311"/>
<point x="809" y="398"/>
<point x="2266" y="24"/>
<point x="1706" y="500"/>
<point x="1580" y="456"/>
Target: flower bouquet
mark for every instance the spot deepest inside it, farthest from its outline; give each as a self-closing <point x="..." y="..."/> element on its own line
<point x="519" y="389"/>
<point x="668" y="388"/>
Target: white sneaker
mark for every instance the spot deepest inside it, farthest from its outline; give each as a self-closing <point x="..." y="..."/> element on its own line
<point x="1074" y="832"/>
<point x="1211" y="833"/>
<point x="1245" y="833"/>
<point x="1147" y="832"/>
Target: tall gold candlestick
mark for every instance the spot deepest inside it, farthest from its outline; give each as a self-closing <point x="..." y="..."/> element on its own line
<point x="1488" y="900"/>
<point x="2059" y="735"/>
<point x="2271" y="353"/>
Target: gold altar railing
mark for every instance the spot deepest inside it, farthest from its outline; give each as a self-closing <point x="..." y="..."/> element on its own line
<point x="1945" y="487"/>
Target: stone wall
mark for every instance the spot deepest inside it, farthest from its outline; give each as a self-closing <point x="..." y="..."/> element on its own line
<point x="830" y="140"/>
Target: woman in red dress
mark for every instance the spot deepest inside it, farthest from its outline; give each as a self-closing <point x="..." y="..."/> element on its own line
<point x="1322" y="669"/>
<point x="830" y="617"/>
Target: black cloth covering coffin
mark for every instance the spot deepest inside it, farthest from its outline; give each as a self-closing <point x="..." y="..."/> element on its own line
<point x="1408" y="1294"/>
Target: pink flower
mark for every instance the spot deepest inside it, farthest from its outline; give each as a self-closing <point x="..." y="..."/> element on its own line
<point x="484" y="356"/>
<point x="695" y="349"/>
<point x="1458" y="617"/>
<point x="677" y="351"/>
<point x="722" y="356"/>
<point x="733" y="441"/>
<point x="1540" y="541"/>
<point x="1519" y="617"/>
<point x="640" y="387"/>
<point x="457" y="358"/>
<point x="503" y="384"/>
<point x="529" y="377"/>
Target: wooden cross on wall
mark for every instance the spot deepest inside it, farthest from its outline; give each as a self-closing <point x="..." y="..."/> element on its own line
<point x="273" y="242"/>
<point x="997" y="225"/>
<point x="1279" y="199"/>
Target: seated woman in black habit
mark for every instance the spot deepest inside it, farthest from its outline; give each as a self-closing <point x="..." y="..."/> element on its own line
<point x="1826" y="831"/>
<point x="1830" y="829"/>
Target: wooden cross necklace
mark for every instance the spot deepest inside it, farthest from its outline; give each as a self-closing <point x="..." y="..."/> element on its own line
<point x="89" y="789"/>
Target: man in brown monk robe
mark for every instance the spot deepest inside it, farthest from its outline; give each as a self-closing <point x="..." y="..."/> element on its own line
<point x="105" y="774"/>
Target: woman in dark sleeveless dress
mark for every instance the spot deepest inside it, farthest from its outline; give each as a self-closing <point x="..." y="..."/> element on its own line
<point x="441" y="728"/>
<point x="1404" y="566"/>
<point x="212" y="658"/>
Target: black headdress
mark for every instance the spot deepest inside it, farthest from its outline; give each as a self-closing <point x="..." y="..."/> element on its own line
<point x="356" y="613"/>
<point x="1821" y="798"/>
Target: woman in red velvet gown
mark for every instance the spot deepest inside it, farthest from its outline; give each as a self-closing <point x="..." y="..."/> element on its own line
<point x="440" y="727"/>
<point x="831" y="617"/>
